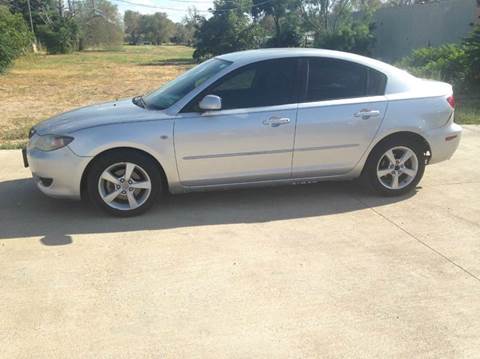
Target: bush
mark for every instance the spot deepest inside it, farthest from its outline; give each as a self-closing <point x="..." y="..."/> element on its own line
<point x="458" y="64"/>
<point x="14" y="37"/>
<point x="444" y="63"/>
<point x="61" y="36"/>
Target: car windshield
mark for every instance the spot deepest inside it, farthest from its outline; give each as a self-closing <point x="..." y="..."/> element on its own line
<point x="173" y="91"/>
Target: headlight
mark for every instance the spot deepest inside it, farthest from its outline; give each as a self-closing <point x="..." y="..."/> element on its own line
<point x="51" y="142"/>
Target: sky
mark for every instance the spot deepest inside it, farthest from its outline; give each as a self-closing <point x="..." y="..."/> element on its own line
<point x="175" y="9"/>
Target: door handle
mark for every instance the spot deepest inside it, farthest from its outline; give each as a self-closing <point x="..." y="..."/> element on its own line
<point x="366" y="114"/>
<point x="276" y="121"/>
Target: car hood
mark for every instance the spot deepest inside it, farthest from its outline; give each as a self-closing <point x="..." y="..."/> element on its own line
<point x="97" y="115"/>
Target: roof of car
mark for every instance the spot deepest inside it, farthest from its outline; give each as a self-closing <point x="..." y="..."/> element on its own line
<point x="249" y="56"/>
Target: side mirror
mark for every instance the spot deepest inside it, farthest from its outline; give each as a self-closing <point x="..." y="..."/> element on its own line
<point x="210" y="103"/>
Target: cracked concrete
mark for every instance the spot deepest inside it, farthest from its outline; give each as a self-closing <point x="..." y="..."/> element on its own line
<point x="321" y="270"/>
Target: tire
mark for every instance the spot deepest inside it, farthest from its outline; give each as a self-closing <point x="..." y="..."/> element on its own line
<point x="380" y="173"/>
<point x="119" y="193"/>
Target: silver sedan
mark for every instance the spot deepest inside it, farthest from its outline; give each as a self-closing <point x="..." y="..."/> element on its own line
<point x="259" y="117"/>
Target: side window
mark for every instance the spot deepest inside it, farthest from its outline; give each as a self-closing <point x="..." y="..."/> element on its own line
<point x="241" y="81"/>
<point x="264" y="83"/>
<point x="331" y="79"/>
<point x="376" y="83"/>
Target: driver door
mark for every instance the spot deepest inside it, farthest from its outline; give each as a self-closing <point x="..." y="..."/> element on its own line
<point x="251" y="138"/>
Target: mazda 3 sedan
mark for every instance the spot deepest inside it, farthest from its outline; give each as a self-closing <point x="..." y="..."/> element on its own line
<point x="258" y="117"/>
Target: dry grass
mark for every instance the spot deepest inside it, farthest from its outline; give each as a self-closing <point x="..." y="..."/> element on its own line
<point x="39" y="86"/>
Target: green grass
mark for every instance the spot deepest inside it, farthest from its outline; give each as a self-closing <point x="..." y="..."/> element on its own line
<point x="468" y="111"/>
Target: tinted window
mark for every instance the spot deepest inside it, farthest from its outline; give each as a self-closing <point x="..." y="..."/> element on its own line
<point x="265" y="83"/>
<point x="376" y="83"/>
<point x="241" y="81"/>
<point x="331" y="79"/>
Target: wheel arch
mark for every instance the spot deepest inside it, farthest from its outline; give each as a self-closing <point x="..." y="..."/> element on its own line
<point x="83" y="181"/>
<point x="402" y="135"/>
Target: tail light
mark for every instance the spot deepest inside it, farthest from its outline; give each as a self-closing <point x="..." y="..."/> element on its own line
<point x="451" y="101"/>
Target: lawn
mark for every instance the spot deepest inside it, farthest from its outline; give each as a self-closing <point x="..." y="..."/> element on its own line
<point x="468" y="111"/>
<point x="39" y="86"/>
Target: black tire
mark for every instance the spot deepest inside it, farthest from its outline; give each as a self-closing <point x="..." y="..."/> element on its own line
<point x="100" y="164"/>
<point x="370" y="177"/>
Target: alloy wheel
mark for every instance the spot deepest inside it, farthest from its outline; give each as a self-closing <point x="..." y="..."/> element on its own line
<point x="124" y="186"/>
<point x="397" y="168"/>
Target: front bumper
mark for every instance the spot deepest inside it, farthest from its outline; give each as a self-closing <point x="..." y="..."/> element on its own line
<point x="444" y="142"/>
<point x="62" y="166"/>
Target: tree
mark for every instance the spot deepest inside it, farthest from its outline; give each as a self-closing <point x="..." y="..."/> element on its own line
<point x="229" y="29"/>
<point x="133" y="33"/>
<point x="181" y="36"/>
<point x="285" y="19"/>
<point x="155" y="29"/>
<point x="344" y="25"/>
<point x="471" y="46"/>
<point x="53" y="24"/>
<point x="14" y="37"/>
<point x="100" y="26"/>
<point x="185" y="31"/>
<point x="60" y="35"/>
<point x="39" y="9"/>
<point x="68" y="25"/>
<point x="291" y="33"/>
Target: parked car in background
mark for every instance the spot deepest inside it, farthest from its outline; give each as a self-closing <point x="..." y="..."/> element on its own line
<point x="258" y="117"/>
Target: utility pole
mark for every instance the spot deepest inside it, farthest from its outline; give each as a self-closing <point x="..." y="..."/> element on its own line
<point x="31" y="25"/>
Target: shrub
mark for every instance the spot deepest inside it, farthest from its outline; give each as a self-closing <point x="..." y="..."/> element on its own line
<point x="444" y="63"/>
<point x="14" y="37"/>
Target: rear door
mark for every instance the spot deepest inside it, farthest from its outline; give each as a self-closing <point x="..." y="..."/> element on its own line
<point x="338" y="117"/>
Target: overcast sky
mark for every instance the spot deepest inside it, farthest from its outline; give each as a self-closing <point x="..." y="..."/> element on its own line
<point x="176" y="9"/>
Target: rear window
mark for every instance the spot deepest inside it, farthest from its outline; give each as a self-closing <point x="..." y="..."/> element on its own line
<point x="332" y="79"/>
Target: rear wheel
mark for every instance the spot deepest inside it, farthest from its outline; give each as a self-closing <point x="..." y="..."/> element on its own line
<point x="124" y="183"/>
<point x="395" y="166"/>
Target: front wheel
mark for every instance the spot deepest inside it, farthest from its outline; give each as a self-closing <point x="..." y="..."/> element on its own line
<point x="124" y="183"/>
<point x="395" y="167"/>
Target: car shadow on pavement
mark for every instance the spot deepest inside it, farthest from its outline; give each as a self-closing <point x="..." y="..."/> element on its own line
<point x="25" y="212"/>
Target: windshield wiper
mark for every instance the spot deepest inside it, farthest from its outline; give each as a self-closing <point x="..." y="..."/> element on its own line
<point x="138" y="100"/>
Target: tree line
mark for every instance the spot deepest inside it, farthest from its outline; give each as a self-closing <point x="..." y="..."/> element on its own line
<point x="63" y="26"/>
<point x="242" y="24"/>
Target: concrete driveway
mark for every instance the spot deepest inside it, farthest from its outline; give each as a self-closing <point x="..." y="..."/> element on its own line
<point x="320" y="270"/>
